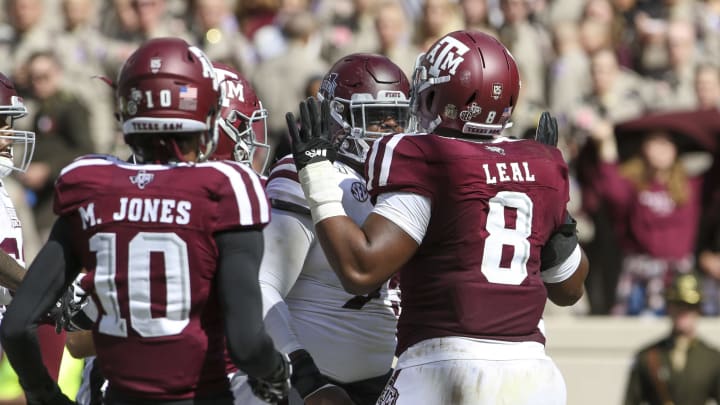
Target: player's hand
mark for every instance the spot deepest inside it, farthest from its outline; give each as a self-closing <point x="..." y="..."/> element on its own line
<point x="69" y="312"/>
<point x="547" y="130"/>
<point x="310" y="140"/>
<point x="329" y="395"/>
<point x="273" y="390"/>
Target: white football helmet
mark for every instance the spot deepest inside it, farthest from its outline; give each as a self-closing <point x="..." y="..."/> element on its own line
<point x="16" y="147"/>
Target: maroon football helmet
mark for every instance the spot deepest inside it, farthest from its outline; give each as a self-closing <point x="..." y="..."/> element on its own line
<point x="369" y="98"/>
<point x="467" y="82"/>
<point x="13" y="141"/>
<point x="168" y="87"/>
<point x="242" y="123"/>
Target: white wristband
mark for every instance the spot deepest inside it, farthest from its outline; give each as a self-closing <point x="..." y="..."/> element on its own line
<point x="322" y="190"/>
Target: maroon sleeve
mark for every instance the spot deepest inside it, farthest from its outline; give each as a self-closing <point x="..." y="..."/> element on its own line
<point x="613" y="187"/>
<point x="396" y="163"/>
<point x="241" y="201"/>
<point x="78" y="182"/>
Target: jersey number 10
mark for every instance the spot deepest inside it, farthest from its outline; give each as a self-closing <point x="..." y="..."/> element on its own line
<point x="177" y="280"/>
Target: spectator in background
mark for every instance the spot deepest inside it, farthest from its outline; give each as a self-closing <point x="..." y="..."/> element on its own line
<point x="154" y="22"/>
<point x="391" y="24"/>
<point x="29" y="35"/>
<point x="280" y="82"/>
<point x="216" y="30"/>
<point x="119" y="20"/>
<point x="707" y="19"/>
<point x="681" y="368"/>
<point x="569" y="72"/>
<point x="259" y="23"/>
<point x="676" y="89"/>
<point x="353" y="32"/>
<point x="476" y="16"/>
<point x="62" y="129"/>
<point x="707" y="86"/>
<point x="653" y="204"/>
<point x="438" y="18"/>
<point x="616" y="94"/>
<point x="87" y="54"/>
<point x="594" y="36"/>
<point x="530" y="45"/>
<point x="619" y="30"/>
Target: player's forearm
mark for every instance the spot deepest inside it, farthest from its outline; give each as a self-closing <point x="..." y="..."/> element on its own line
<point x="249" y="345"/>
<point x="11" y="273"/>
<point x="359" y="268"/>
<point x="570" y="291"/>
<point x="39" y="291"/>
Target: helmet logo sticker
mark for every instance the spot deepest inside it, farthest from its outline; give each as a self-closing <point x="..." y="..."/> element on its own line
<point x="497" y="89"/>
<point x="155" y="64"/>
<point x="135" y="98"/>
<point x="188" y="98"/>
<point x="142" y="179"/>
<point x="472" y="112"/>
<point x="446" y="55"/>
<point x="359" y="191"/>
<point x="329" y="84"/>
<point x="451" y="111"/>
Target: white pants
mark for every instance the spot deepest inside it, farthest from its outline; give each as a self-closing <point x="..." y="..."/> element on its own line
<point x="477" y="382"/>
<point x="463" y="371"/>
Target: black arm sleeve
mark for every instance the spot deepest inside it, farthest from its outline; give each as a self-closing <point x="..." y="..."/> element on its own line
<point x="249" y="345"/>
<point x="48" y="276"/>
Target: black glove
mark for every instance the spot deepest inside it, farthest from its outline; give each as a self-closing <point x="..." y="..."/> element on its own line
<point x="274" y="389"/>
<point x="560" y="245"/>
<point x="52" y="397"/>
<point x="306" y="377"/>
<point x="311" y="141"/>
<point x="547" y="130"/>
<point x="68" y="312"/>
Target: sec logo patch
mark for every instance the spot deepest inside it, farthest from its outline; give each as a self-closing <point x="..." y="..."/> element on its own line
<point x="359" y="191"/>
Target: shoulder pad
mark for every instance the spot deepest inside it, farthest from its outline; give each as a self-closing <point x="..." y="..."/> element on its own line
<point x="283" y="186"/>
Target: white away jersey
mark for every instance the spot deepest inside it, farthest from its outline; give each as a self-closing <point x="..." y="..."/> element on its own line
<point x="351" y="338"/>
<point x="11" y="240"/>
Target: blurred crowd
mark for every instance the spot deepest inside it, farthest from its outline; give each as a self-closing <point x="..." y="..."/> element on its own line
<point x="602" y="67"/>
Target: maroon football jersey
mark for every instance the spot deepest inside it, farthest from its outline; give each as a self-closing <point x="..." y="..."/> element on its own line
<point x="145" y="235"/>
<point x="494" y="205"/>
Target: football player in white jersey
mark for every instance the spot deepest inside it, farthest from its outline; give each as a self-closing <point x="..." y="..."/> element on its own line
<point x="16" y="149"/>
<point x="335" y="339"/>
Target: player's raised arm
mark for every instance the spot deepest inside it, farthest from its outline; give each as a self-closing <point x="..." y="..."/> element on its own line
<point x="363" y="258"/>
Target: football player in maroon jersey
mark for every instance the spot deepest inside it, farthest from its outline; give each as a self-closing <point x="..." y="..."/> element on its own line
<point x="242" y="124"/>
<point x="172" y="246"/>
<point x="475" y="223"/>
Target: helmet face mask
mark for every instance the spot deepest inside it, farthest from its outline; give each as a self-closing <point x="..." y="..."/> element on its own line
<point x="368" y="96"/>
<point x="242" y="121"/>
<point x="16" y="147"/>
<point x="167" y="88"/>
<point x="467" y="82"/>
